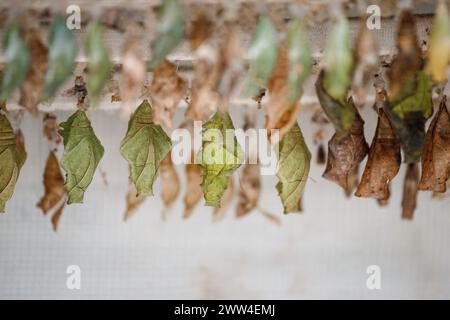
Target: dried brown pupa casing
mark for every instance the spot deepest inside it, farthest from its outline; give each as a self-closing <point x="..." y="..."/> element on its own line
<point x="194" y="191"/>
<point x="134" y="201"/>
<point x="249" y="190"/>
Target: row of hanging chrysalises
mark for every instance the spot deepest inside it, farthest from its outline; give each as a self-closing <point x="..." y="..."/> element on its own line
<point x="277" y="64"/>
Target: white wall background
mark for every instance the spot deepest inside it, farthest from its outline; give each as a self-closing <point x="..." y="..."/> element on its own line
<point x="322" y="253"/>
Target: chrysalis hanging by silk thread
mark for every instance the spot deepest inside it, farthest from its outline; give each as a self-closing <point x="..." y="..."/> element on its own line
<point x="144" y="146"/>
<point x="54" y="192"/>
<point x="12" y="158"/>
<point x="262" y="54"/>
